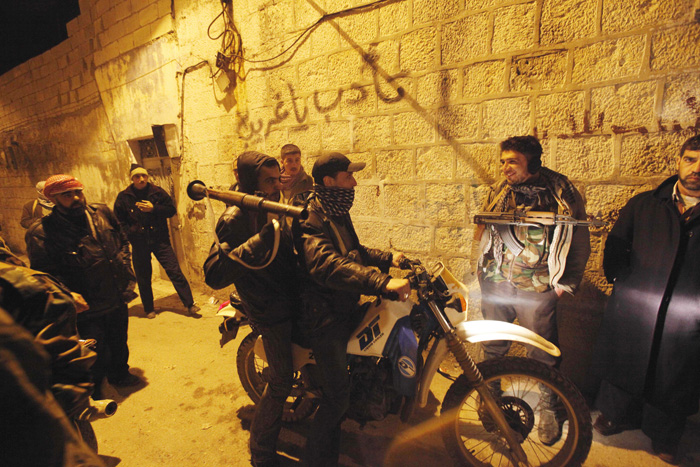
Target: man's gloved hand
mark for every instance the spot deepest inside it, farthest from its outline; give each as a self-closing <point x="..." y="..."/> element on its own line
<point x="129" y="294"/>
<point x="267" y="234"/>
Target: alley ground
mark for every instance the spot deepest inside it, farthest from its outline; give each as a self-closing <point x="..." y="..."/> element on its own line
<point x="192" y="411"/>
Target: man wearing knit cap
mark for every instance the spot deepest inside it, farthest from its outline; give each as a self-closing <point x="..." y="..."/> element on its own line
<point x="36" y="209"/>
<point x="143" y="210"/>
<point x="340" y="269"/>
<point x="295" y="181"/>
<point x="82" y="246"/>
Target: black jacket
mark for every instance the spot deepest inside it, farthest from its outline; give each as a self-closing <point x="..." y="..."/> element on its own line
<point x="99" y="268"/>
<point x="653" y="257"/>
<point x="145" y="227"/>
<point x="338" y="266"/>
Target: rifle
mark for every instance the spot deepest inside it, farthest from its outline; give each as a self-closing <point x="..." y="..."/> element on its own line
<point x="196" y="190"/>
<point x="503" y="222"/>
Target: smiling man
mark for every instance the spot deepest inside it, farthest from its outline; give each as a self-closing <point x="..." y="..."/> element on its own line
<point x="649" y="342"/>
<point x="527" y="284"/>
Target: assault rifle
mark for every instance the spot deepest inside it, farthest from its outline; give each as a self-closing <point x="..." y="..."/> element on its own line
<point x="503" y="222"/>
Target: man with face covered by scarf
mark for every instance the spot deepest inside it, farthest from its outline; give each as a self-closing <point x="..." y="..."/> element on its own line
<point x="266" y="282"/>
<point x="340" y="269"/>
<point x="83" y="247"/>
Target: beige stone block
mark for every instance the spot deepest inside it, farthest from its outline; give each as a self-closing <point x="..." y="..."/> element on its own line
<point x="324" y="39"/>
<point x="539" y="72"/>
<point x="417" y="50"/>
<point x="506" y="117"/>
<point x="483" y="78"/>
<point x="279" y="81"/>
<point x="371" y="132"/>
<point x="514" y="28"/>
<point x="346" y="67"/>
<point x="307" y="137"/>
<point x="142" y="36"/>
<point x="559" y="114"/>
<point x="681" y="100"/>
<point x="109" y="17"/>
<point x="358" y="100"/>
<point x="100" y="7"/>
<point x="478" y="162"/>
<point x="651" y="154"/>
<point x="361" y="28"/>
<point x="304" y="14"/>
<point x="425" y="11"/>
<point x="405" y="202"/>
<point x="609" y="199"/>
<point x="589" y="158"/>
<point x="384" y="56"/>
<point x="313" y="75"/>
<point x="148" y="14"/>
<point x="321" y="105"/>
<point x="275" y="140"/>
<point x="412" y="128"/>
<point x="607" y="60"/>
<point x="411" y="238"/>
<point x="567" y="21"/>
<point x="131" y="23"/>
<point x="336" y="135"/>
<point x="623" y="107"/>
<point x="465" y="39"/>
<point x="165" y="8"/>
<point x="367" y="200"/>
<point x="455" y="240"/>
<point x="372" y="233"/>
<point x="396" y="165"/>
<point x="125" y="44"/>
<point x="435" y="163"/>
<point x="123" y="9"/>
<point x="458" y="121"/>
<point x="276" y="20"/>
<point x="471" y="5"/>
<point x="676" y="48"/>
<point x="393" y="18"/>
<point x="72" y="26"/>
<point x="161" y="27"/>
<point x="625" y="15"/>
<point x="437" y="88"/>
<point x="391" y="95"/>
<point x="446" y="203"/>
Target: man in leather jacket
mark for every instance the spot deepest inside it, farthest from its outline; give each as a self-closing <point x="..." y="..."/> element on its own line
<point x="83" y="247"/>
<point x="265" y="275"/>
<point x="340" y="270"/>
<point x="143" y="210"/>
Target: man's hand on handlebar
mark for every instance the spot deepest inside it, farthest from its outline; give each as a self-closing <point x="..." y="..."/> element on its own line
<point x="397" y="289"/>
<point x="396" y="259"/>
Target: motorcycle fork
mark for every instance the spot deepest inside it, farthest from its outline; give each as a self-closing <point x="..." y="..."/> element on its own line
<point x="473" y="375"/>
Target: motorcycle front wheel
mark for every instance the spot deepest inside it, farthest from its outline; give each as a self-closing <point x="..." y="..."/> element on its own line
<point x="252" y="372"/>
<point x="472" y="437"/>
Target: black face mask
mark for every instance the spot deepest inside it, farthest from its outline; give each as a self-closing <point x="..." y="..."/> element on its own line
<point x="336" y="201"/>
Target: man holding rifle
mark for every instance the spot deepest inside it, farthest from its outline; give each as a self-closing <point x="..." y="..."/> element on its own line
<point x="526" y="266"/>
<point x="254" y="252"/>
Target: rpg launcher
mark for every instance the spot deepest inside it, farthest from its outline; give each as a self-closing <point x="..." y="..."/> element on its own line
<point x="503" y="222"/>
<point x="197" y="191"/>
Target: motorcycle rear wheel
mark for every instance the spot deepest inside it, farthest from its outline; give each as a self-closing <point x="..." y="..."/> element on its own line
<point x="472" y="438"/>
<point x="251" y="372"/>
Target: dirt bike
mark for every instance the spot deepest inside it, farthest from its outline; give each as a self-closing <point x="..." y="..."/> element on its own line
<point x="491" y="412"/>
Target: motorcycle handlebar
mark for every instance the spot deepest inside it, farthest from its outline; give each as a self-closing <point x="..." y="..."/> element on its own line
<point x="196" y="190"/>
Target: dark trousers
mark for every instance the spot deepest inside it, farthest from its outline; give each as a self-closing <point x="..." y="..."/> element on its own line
<point x="501" y="301"/>
<point x="329" y="345"/>
<point x="267" y="421"/>
<point x="141" y="257"/>
<point x="110" y="330"/>
<point x="623" y="408"/>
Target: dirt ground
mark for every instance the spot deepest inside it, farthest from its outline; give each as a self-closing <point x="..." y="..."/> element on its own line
<point x="191" y="410"/>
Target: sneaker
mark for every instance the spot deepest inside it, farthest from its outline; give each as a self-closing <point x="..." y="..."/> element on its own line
<point x="549" y="429"/>
<point x="607" y="427"/>
<point x="193" y="310"/>
<point x="127" y="381"/>
<point x="151" y="314"/>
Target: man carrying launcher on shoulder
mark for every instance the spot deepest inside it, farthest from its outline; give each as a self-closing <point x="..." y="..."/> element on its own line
<point x="258" y="258"/>
<point x="526" y="266"/>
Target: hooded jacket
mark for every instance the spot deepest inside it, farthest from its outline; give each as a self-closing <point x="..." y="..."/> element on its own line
<point x="271" y="293"/>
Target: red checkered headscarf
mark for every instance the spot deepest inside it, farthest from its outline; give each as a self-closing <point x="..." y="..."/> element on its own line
<point x="57" y="184"/>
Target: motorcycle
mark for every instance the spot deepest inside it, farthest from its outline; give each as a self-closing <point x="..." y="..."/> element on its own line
<point x="491" y="412"/>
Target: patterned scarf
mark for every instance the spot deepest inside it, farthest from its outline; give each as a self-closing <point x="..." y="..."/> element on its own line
<point x="334" y="200"/>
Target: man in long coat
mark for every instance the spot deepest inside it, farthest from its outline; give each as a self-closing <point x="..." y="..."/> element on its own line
<point x="649" y="343"/>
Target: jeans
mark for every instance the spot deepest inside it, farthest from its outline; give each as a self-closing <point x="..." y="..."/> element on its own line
<point x="267" y="421"/>
<point x="141" y="257"/>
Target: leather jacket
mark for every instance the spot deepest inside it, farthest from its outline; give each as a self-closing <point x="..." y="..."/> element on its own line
<point x="145" y="227"/>
<point x="99" y="268"/>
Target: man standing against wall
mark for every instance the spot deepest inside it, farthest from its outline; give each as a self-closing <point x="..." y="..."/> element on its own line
<point x="649" y="342"/>
<point x="527" y="284"/>
<point x="36" y="209"/>
<point x="82" y="246"/>
<point x="295" y="181"/>
<point x="340" y="271"/>
<point x="243" y="255"/>
<point x="143" y="210"/>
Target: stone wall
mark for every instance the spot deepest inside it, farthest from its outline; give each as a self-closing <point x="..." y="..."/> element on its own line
<point x="421" y="90"/>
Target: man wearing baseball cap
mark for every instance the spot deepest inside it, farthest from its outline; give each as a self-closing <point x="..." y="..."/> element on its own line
<point x="143" y="210"/>
<point x="83" y="247"/>
<point x="340" y="269"/>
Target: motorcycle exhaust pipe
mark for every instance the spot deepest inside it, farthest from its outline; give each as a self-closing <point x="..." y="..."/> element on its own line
<point x="99" y="409"/>
<point x="196" y="190"/>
